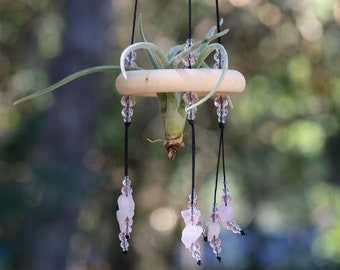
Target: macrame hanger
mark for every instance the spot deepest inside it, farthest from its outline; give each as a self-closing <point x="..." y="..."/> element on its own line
<point x="126" y="204"/>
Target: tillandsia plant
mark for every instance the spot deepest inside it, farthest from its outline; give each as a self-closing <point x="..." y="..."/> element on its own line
<point x="172" y="106"/>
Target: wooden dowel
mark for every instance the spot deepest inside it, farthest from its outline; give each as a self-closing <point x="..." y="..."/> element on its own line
<point x="201" y="81"/>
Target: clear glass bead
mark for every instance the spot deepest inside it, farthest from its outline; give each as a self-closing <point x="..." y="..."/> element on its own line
<point x="130" y="59"/>
<point x="221" y="102"/>
<point x="124" y="245"/>
<point x="218" y="59"/>
<point x="191" y="59"/>
<point x="128" y="101"/>
<point x="126" y="181"/>
<point x="194" y="247"/>
<point x="222" y="114"/>
<point x="190" y="98"/>
<point x="127" y="114"/>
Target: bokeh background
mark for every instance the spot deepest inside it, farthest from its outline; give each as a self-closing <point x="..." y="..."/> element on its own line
<point x="61" y="155"/>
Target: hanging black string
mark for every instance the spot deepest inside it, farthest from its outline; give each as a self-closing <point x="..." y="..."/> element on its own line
<point x="126" y="149"/>
<point x="134" y="22"/>
<point x="189" y="19"/>
<point x="221" y="125"/>
<point x="193" y="163"/>
<point x="220" y="150"/>
<point x="220" y="117"/>
<point x="218" y="20"/>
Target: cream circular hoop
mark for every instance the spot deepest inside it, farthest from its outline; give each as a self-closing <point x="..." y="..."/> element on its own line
<point x="201" y="81"/>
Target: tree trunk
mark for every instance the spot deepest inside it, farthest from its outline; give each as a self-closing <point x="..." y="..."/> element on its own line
<point x="67" y="132"/>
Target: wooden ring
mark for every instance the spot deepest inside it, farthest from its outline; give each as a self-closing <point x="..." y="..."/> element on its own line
<point x="202" y="81"/>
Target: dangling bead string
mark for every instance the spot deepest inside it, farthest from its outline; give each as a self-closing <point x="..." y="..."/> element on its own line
<point x="225" y="210"/>
<point x="213" y="223"/>
<point x="126" y="204"/>
<point x="224" y="213"/>
<point x="193" y="229"/>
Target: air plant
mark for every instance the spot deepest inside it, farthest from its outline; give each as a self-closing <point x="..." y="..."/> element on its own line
<point x="172" y="106"/>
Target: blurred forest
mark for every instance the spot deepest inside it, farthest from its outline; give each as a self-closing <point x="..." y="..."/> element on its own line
<point x="61" y="155"/>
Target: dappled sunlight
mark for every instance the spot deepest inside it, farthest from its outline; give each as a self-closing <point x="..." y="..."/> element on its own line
<point x="325" y="209"/>
<point x="163" y="220"/>
<point x="303" y="137"/>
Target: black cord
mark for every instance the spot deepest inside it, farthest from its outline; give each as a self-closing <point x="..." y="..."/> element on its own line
<point x="218" y="164"/>
<point x="223" y="160"/>
<point x="193" y="163"/>
<point x="134" y="22"/>
<point x="126" y="149"/>
<point x="218" y="20"/>
<point x="189" y="20"/>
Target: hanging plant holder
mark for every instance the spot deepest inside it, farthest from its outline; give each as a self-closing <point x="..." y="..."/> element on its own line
<point x="181" y="81"/>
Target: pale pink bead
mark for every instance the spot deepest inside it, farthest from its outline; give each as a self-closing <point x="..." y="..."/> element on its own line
<point x="213" y="230"/>
<point x="188" y="218"/>
<point x="226" y="199"/>
<point x="190" y="234"/>
<point x="126" y="190"/>
<point x="226" y="214"/>
<point x="232" y="226"/>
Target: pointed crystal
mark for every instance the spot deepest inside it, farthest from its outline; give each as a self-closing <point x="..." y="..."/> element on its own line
<point x="190" y="234"/>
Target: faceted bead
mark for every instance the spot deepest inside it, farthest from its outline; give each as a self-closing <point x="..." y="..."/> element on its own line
<point x="126" y="190"/>
<point x="232" y="226"/>
<point x="128" y="101"/>
<point x="191" y="217"/>
<point x="190" y="60"/>
<point x="127" y="113"/>
<point x="190" y="98"/>
<point x="196" y="255"/>
<point x="189" y="42"/>
<point x="222" y="112"/>
<point x="194" y="247"/>
<point x="130" y="59"/>
<point x="124" y="245"/>
<point x="126" y="181"/>
<point x="218" y="59"/>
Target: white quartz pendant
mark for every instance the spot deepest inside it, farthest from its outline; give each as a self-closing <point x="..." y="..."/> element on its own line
<point x="226" y="214"/>
<point x="190" y="234"/>
<point x="126" y="206"/>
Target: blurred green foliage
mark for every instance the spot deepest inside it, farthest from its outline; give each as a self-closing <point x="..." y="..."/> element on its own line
<point x="282" y="140"/>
